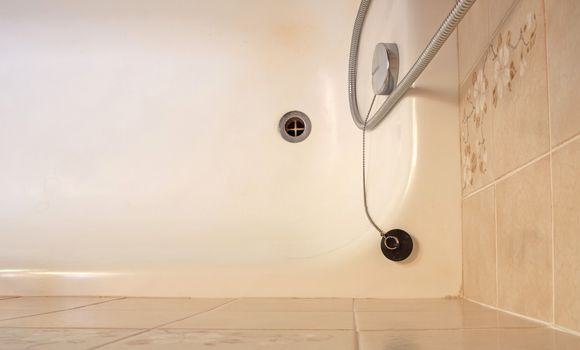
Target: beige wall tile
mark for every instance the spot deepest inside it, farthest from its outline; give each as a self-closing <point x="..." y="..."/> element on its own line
<point x="563" y="27"/>
<point x="524" y="241"/>
<point x="509" y="102"/>
<point x="519" y="89"/>
<point x="498" y="10"/>
<point x="473" y="37"/>
<point x="566" y="177"/>
<point x="479" y="254"/>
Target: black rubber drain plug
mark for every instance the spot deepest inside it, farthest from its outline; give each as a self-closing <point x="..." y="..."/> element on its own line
<point x="397" y="245"/>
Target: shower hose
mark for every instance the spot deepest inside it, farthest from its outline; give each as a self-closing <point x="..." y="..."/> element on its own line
<point x="447" y="27"/>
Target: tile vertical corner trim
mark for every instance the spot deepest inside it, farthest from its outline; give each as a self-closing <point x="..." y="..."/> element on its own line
<point x="566" y="184"/>
<point x="479" y="250"/>
<point x="524" y="241"/>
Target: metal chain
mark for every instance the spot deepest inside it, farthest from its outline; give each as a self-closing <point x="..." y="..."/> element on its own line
<point x="364" y="131"/>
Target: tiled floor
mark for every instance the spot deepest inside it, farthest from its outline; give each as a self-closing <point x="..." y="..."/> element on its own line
<point x="65" y="323"/>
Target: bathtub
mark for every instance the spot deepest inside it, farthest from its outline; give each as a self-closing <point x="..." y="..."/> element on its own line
<point x="140" y="153"/>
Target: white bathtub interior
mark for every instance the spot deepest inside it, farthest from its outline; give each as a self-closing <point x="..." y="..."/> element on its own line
<point x="140" y="155"/>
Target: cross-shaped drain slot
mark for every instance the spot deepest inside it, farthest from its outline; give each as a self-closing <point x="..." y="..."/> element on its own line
<point x="294" y="127"/>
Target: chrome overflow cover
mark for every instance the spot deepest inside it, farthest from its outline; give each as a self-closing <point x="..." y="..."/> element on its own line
<point x="385" y="68"/>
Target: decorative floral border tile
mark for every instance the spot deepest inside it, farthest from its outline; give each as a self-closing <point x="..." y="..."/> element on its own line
<point x="503" y="62"/>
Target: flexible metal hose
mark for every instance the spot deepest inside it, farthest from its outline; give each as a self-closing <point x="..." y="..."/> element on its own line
<point x="442" y="34"/>
<point x="364" y="170"/>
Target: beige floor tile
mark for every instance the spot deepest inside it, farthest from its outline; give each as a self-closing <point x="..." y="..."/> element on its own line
<point x="268" y="320"/>
<point x="194" y="305"/>
<point x="524" y="236"/>
<point x="122" y="313"/>
<point x="88" y="318"/>
<point x="58" y="339"/>
<point x="288" y="304"/>
<point x="181" y="339"/>
<point x="9" y="314"/>
<point x="368" y="321"/>
<point x="398" y="305"/>
<point x="29" y="306"/>
<point x="563" y="41"/>
<point x="49" y="303"/>
<point x="566" y="177"/>
<point x="488" y="339"/>
<point x="479" y="251"/>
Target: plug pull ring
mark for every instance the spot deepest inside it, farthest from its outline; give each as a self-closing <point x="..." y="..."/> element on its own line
<point x="396" y="245"/>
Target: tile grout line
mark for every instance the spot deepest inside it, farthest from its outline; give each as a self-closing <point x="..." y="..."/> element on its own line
<point x="496" y="233"/>
<point x="341" y="330"/>
<point x="161" y="325"/>
<point x="503" y="328"/>
<point x="349" y="330"/>
<point x="57" y="311"/>
<point x="72" y="328"/>
<point x="355" y="327"/>
<point x="516" y="170"/>
<point x="462" y="284"/>
<point x="120" y="339"/>
<point x="197" y="313"/>
<point x="496" y="308"/>
<point x="553" y="236"/>
<point x="546" y="324"/>
<point x="509" y="174"/>
<point x="566" y="142"/>
<point x="551" y="143"/>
